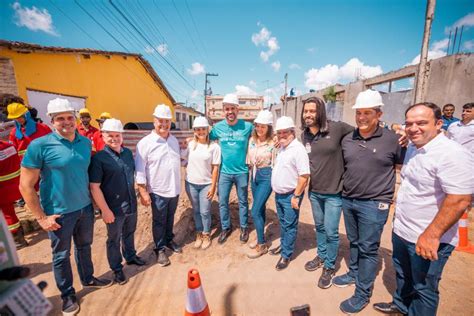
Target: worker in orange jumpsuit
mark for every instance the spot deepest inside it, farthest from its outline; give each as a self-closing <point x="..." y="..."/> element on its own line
<point x="97" y="141"/>
<point x="26" y="129"/>
<point x="84" y="127"/>
<point x="9" y="191"/>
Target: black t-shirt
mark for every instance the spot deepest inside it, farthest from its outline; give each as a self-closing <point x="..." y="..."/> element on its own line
<point x="115" y="173"/>
<point x="325" y="158"/>
<point x="370" y="165"/>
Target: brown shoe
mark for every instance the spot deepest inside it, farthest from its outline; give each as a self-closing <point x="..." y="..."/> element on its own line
<point x="206" y="241"/>
<point x="198" y="242"/>
<point x="258" y="251"/>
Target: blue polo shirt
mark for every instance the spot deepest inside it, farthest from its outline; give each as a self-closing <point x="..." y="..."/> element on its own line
<point x="64" y="184"/>
<point x="447" y="121"/>
<point x="234" y="141"/>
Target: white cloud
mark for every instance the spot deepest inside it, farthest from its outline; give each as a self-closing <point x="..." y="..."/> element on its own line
<point x="162" y="49"/>
<point x="440" y="45"/>
<point x="432" y="54"/>
<point x="252" y="83"/>
<point x="294" y="66"/>
<point x="469" y="45"/>
<point x="196" y="69"/>
<point x="34" y="19"/>
<point x="311" y="50"/>
<point x="244" y="90"/>
<point x="466" y="21"/>
<point x="264" y="39"/>
<point x="195" y="94"/>
<point x="331" y="74"/>
<point x="272" y="95"/>
<point x="276" y="66"/>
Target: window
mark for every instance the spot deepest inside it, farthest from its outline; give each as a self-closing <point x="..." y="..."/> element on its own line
<point x="178" y="117"/>
<point x="242" y="102"/>
<point x="253" y="102"/>
<point x="183" y="116"/>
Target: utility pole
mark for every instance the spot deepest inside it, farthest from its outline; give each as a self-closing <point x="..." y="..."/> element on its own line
<point x="285" y="102"/>
<point x="205" y="89"/>
<point x="422" y="73"/>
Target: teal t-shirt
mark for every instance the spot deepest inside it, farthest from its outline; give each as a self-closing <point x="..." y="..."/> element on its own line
<point x="234" y="141"/>
<point x="64" y="184"/>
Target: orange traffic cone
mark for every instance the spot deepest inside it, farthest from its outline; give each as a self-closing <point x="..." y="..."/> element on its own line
<point x="196" y="304"/>
<point x="464" y="244"/>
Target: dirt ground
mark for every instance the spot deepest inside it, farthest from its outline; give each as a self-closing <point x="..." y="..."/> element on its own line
<point x="234" y="284"/>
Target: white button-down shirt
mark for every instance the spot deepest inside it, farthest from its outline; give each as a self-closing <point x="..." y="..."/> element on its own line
<point x="462" y="134"/>
<point x="291" y="162"/>
<point x="158" y="164"/>
<point x="429" y="173"/>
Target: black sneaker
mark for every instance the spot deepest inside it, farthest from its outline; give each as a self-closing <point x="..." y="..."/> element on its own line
<point x="119" y="277"/>
<point x="174" y="247"/>
<point x="224" y="235"/>
<point x="244" y="235"/>
<point x="162" y="258"/>
<point x="70" y="305"/>
<point x="98" y="283"/>
<point x="314" y="264"/>
<point x="325" y="281"/>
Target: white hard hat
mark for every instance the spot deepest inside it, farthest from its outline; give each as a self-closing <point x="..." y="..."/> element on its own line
<point x="200" y="121"/>
<point x="264" y="117"/>
<point x="162" y="111"/>
<point x="112" y="125"/>
<point x="59" y="105"/>
<point x="284" y="122"/>
<point x="230" y="98"/>
<point x="368" y="99"/>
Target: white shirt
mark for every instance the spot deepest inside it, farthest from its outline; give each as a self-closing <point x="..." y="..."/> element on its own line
<point x="429" y="173"/>
<point x="290" y="163"/>
<point x="158" y="164"/>
<point x="200" y="161"/>
<point x="462" y="134"/>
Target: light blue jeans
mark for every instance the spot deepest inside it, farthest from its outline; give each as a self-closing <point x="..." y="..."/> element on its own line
<point x="241" y="182"/>
<point x="197" y="194"/>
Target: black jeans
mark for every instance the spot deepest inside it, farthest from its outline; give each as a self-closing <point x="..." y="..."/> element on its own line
<point x="163" y="210"/>
<point x="121" y="233"/>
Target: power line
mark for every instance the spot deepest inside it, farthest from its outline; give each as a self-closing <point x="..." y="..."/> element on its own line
<point x="151" y="45"/>
<point x="195" y="27"/>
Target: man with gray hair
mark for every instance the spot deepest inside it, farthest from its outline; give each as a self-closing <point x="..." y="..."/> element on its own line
<point x="60" y="159"/>
<point x="289" y="179"/>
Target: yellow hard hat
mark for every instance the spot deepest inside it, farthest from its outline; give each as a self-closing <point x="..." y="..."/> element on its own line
<point x="105" y="115"/>
<point x="16" y="110"/>
<point x="84" y="111"/>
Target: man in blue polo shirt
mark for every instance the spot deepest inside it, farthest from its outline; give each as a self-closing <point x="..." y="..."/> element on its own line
<point x="233" y="135"/>
<point x="65" y="211"/>
<point x="448" y="116"/>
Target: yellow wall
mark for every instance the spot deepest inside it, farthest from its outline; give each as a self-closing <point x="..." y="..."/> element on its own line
<point x="117" y="85"/>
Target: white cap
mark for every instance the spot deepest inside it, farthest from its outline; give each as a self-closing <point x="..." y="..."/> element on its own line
<point x="368" y="99"/>
<point x="59" y="105"/>
<point x="162" y="111"/>
<point x="200" y="121"/>
<point x="112" y="125"/>
<point x="230" y="98"/>
<point x="264" y="117"/>
<point x="284" y="122"/>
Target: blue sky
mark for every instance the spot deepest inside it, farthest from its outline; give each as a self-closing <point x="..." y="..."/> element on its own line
<point x="250" y="44"/>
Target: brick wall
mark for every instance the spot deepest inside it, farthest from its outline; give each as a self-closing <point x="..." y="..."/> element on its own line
<point x="7" y="77"/>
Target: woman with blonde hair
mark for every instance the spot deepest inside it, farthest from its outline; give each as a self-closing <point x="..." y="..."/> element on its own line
<point x="260" y="158"/>
<point x="202" y="172"/>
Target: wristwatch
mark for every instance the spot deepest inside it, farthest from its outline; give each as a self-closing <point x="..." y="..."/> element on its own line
<point x="297" y="196"/>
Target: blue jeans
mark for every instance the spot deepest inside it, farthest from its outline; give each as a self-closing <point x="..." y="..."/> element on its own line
<point x="288" y="218"/>
<point x="327" y="210"/>
<point x="225" y="185"/>
<point x="261" y="190"/>
<point x="417" y="278"/>
<point x="78" y="226"/>
<point x="364" y="222"/>
<point x="197" y="194"/>
<point x="122" y="229"/>
<point x="163" y="210"/>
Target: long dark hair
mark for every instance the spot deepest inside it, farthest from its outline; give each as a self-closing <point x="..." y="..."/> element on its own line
<point x="321" y="118"/>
